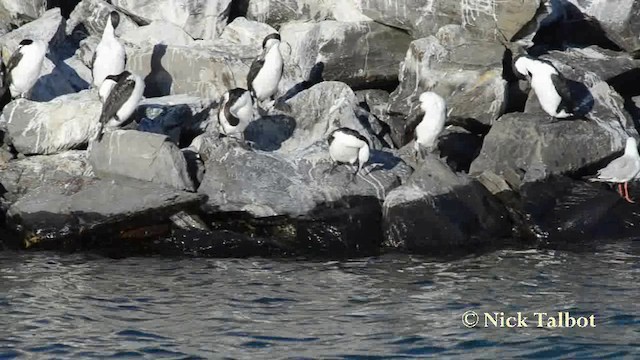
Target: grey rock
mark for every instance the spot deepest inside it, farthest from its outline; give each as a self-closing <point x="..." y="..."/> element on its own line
<point x="202" y="19"/>
<point x="24" y="8"/>
<point x="61" y="124"/>
<point x="90" y="17"/>
<point x="87" y="211"/>
<point x="279" y="12"/>
<point x="315" y="113"/>
<point x="466" y="73"/>
<point x="439" y="211"/>
<point x="158" y="32"/>
<point x="142" y="156"/>
<point x="424" y="18"/>
<point x="172" y="115"/>
<point x="243" y="32"/>
<point x="48" y="28"/>
<point x="169" y="70"/>
<point x="19" y="177"/>
<point x="270" y="184"/>
<point x="528" y="147"/>
<point x="619" y="19"/>
<point x="606" y="64"/>
<point x="361" y="54"/>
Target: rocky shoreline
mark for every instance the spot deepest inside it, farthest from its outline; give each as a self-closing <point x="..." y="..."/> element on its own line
<point x="504" y="173"/>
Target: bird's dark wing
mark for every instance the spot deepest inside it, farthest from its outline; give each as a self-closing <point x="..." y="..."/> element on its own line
<point x="117" y="97"/>
<point x="411" y="123"/>
<point x="232" y="120"/>
<point x="13" y="62"/>
<point x="256" y="65"/>
<point x="560" y="83"/>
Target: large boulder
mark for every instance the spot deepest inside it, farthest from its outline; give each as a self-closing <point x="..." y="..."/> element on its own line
<point x="20" y="176"/>
<point x="202" y="19"/>
<point x="271" y="184"/>
<point x="620" y="20"/>
<point x="142" y="156"/>
<point x="48" y="28"/>
<point x="466" y="73"/>
<point x="90" y="213"/>
<point x="31" y="9"/>
<point x="361" y="54"/>
<point x="61" y="124"/>
<point x="438" y="211"/>
<point x="278" y="12"/>
<point x="169" y="70"/>
<point x="89" y="17"/>
<point x="529" y="147"/>
<point x="158" y="32"/>
<point x="423" y="18"/>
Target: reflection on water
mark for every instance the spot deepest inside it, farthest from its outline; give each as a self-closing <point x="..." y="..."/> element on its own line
<point x="54" y="305"/>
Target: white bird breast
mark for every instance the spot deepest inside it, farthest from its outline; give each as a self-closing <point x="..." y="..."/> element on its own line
<point x="27" y="72"/>
<point x="345" y="148"/>
<point x="266" y="82"/>
<point x="110" y="59"/>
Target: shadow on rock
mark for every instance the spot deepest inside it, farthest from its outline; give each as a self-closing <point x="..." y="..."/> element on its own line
<point x="583" y="99"/>
<point x="269" y="132"/>
<point x="158" y="82"/>
<point x="315" y="77"/>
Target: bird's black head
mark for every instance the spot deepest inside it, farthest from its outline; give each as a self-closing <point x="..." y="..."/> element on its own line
<point x="235" y="94"/>
<point x="273" y="36"/>
<point x="120" y="77"/>
<point x="26" y="42"/>
<point x="114" y="17"/>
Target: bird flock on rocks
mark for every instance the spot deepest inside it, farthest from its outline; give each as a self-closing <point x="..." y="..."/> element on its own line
<point x="120" y="92"/>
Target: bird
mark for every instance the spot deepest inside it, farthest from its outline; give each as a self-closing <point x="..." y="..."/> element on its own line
<point x="430" y="127"/>
<point x="347" y="146"/>
<point x="108" y="84"/>
<point x="121" y="102"/>
<point x="549" y="85"/>
<point x="622" y="169"/>
<point x="110" y="56"/>
<point x="235" y="112"/>
<point x="24" y="66"/>
<point x="266" y="70"/>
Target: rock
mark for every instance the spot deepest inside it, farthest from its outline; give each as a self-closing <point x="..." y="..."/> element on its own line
<point x="248" y="33"/>
<point x="466" y="73"/>
<point x="423" y="18"/>
<point x="64" y="123"/>
<point x="276" y="13"/>
<point x="173" y="115"/>
<point x="363" y="55"/>
<point x="202" y="19"/>
<point x="169" y="70"/>
<point x="441" y="212"/>
<point x="158" y="32"/>
<point x="560" y="211"/>
<point x="142" y="156"/>
<point x="619" y="19"/>
<point x="19" y="177"/>
<point x="271" y="184"/>
<point x="527" y="147"/>
<point x="376" y="102"/>
<point x="90" y="213"/>
<point x="90" y="17"/>
<point x="49" y="28"/>
<point x="604" y="63"/>
<point x="24" y="8"/>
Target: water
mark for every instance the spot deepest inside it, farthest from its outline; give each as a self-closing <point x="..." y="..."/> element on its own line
<point x="394" y="306"/>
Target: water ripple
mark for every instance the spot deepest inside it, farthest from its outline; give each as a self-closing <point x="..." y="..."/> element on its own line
<point x="389" y="307"/>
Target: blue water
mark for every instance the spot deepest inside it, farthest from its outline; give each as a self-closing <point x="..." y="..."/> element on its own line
<point x="394" y="306"/>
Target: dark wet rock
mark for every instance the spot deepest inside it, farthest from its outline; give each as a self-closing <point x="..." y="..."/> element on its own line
<point x="363" y="54"/>
<point x="64" y="123"/>
<point x="376" y="103"/>
<point x="559" y="211"/>
<point x="19" y="177"/>
<point x="278" y="12"/>
<point x="439" y="211"/>
<point x="466" y="73"/>
<point x="140" y="155"/>
<point x="202" y="19"/>
<point x="90" y="213"/>
<point x="424" y="18"/>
